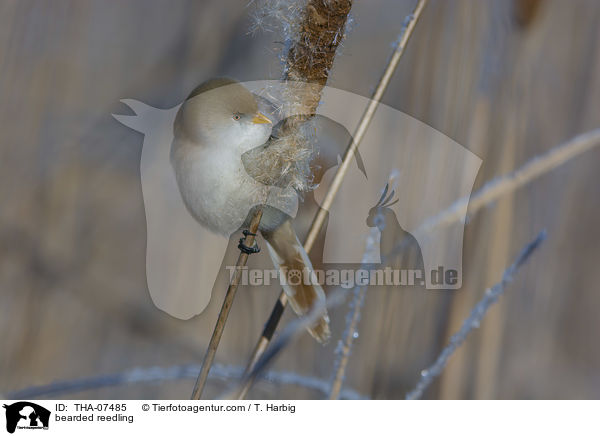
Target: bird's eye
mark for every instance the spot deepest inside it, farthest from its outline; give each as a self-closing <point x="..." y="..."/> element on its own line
<point x="237" y="117"/>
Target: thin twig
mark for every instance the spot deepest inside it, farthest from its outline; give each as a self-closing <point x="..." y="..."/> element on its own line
<point x="320" y="217"/>
<point x="489" y="193"/>
<point x="227" y="303"/>
<point x="292" y="330"/>
<point x="474" y="319"/>
<point x="506" y="184"/>
<point x="352" y="320"/>
<point x="496" y="188"/>
<point x="177" y="372"/>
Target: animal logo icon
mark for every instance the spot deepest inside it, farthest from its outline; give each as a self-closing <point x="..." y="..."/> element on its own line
<point x="26" y="415"/>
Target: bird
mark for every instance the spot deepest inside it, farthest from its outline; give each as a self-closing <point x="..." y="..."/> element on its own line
<point x="217" y="124"/>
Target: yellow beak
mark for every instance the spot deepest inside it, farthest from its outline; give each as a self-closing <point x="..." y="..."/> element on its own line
<point x="261" y="119"/>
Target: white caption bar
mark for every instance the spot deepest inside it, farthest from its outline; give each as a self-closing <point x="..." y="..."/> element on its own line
<point x="298" y="417"/>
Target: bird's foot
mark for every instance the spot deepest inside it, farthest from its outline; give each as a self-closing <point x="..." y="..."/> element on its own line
<point x="244" y="248"/>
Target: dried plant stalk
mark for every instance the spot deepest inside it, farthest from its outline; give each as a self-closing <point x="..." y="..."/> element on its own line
<point x="319" y="220"/>
<point x="508" y="183"/>
<point x="311" y="55"/>
<point x="309" y="59"/>
<point x="225" y="309"/>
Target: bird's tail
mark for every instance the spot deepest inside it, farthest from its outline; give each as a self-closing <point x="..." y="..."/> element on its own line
<point x="300" y="285"/>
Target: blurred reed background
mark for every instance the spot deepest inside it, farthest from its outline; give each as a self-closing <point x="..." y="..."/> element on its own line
<point x="507" y="79"/>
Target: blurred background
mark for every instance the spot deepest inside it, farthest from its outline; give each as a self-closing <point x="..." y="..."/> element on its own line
<point x="507" y="79"/>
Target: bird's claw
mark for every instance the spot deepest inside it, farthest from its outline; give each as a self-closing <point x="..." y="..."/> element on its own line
<point x="244" y="248"/>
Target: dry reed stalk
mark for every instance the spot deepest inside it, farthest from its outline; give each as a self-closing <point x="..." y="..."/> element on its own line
<point x="309" y="59"/>
<point x="311" y="55"/>
<point x="496" y="188"/>
<point x="319" y="219"/>
<point x="291" y="331"/>
<point x="500" y="186"/>
<point x="226" y="308"/>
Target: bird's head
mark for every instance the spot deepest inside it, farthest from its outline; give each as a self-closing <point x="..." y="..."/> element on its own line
<point x="222" y="112"/>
